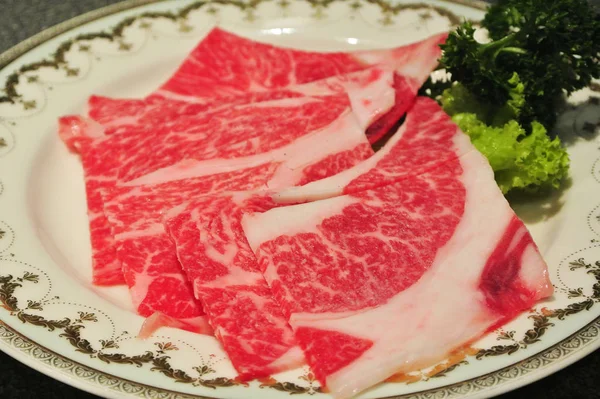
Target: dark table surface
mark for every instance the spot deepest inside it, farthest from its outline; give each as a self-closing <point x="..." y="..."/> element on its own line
<point x="20" y="19"/>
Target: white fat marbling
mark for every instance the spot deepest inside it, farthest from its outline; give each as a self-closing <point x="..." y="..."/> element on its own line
<point x="534" y="271"/>
<point x="417" y="65"/>
<point x="342" y="134"/>
<point x="334" y="185"/>
<point x="303" y="218"/>
<point x="155" y="229"/>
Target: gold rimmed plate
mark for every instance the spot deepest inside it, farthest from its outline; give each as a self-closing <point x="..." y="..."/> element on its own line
<point x="55" y="321"/>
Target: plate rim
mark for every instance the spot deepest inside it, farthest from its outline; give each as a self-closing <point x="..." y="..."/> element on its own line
<point x="19" y="49"/>
<point x="13" y="53"/>
<point x="79" y="383"/>
<point x="106" y="392"/>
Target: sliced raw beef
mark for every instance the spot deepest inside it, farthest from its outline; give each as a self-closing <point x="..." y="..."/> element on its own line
<point x="250" y="128"/>
<point x="198" y="325"/>
<point x="371" y="93"/>
<point x="225" y="129"/>
<point x="76" y="133"/>
<point x="118" y="115"/>
<point x="255" y="67"/>
<point x="368" y="280"/>
<point x="245" y="319"/>
<point x="427" y="138"/>
<point x="224" y="64"/>
<point x="218" y="262"/>
<point x="208" y="233"/>
<point x="255" y="70"/>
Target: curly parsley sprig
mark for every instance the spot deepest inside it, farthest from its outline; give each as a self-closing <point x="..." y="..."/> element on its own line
<point x="505" y="93"/>
<point x="553" y="46"/>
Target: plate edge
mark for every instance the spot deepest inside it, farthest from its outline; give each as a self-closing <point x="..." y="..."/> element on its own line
<point x="39" y="38"/>
<point x="78" y="382"/>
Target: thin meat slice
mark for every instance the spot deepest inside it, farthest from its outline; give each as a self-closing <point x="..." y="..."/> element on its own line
<point x="207" y="79"/>
<point x="238" y="302"/>
<point x="240" y="132"/>
<point x="226" y="129"/>
<point x="427" y="138"/>
<point x="208" y="234"/>
<point x="255" y="74"/>
<point x="76" y="133"/>
<point x="224" y="64"/>
<point x="221" y="267"/>
<point x="117" y="115"/>
<point x="371" y="93"/>
<point x="240" y="309"/>
<point x="250" y="128"/>
<point x="368" y="280"/>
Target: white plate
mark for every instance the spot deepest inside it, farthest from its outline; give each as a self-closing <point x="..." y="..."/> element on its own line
<point x="54" y="320"/>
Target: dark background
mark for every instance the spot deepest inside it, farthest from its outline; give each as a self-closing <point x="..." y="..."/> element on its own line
<point x="20" y="19"/>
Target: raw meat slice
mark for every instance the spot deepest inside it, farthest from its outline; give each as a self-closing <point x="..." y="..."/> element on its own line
<point x="198" y="325"/>
<point x="427" y="138"/>
<point x="251" y="128"/>
<point x="117" y="115"/>
<point x="224" y="64"/>
<point x="208" y="234"/>
<point x="76" y="133"/>
<point x="242" y="131"/>
<point x="160" y="125"/>
<point x="371" y="93"/>
<point x="258" y="345"/>
<point x="254" y="66"/>
<point x="412" y="64"/>
<point x="368" y="280"/>
<point x="221" y="267"/>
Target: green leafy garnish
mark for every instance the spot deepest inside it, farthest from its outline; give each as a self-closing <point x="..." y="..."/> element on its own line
<point x="552" y="45"/>
<point x="506" y="92"/>
<point x="459" y="99"/>
<point x="527" y="160"/>
<point x="530" y="162"/>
